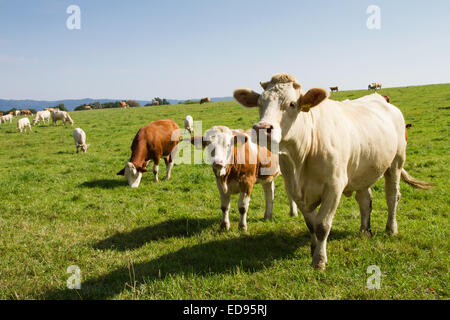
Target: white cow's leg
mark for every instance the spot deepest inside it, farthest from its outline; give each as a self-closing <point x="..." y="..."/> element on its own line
<point x="155" y="171"/>
<point x="243" y="203"/>
<point x="225" y="206"/>
<point x="269" y="193"/>
<point x="392" y="188"/>
<point x="288" y="172"/>
<point x="364" y="199"/>
<point x="322" y="226"/>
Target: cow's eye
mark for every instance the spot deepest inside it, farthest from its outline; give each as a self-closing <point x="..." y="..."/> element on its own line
<point x="292" y="105"/>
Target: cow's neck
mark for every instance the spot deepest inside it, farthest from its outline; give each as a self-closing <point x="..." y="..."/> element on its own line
<point x="299" y="140"/>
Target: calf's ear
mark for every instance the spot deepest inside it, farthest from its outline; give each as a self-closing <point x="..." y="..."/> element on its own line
<point x="199" y="141"/>
<point x="246" y="97"/>
<point x="121" y="172"/>
<point x="312" y="98"/>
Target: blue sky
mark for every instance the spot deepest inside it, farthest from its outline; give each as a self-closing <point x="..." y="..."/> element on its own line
<point x="194" y="48"/>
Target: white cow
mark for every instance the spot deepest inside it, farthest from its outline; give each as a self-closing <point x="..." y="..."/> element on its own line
<point x="5" y="118"/>
<point x="328" y="148"/>
<point x="41" y="116"/>
<point x="61" y="115"/>
<point x="23" y="124"/>
<point x="17" y="113"/>
<point x="189" y="124"/>
<point x="80" y="140"/>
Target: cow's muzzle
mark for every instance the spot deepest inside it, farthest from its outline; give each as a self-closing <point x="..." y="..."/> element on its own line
<point x="263" y="127"/>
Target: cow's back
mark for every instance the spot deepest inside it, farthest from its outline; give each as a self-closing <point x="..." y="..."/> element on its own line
<point x="161" y="136"/>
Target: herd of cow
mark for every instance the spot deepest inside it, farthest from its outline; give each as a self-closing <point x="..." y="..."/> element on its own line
<point x="321" y="147"/>
<point x="46" y="114"/>
<point x="325" y="148"/>
<point x="372" y="86"/>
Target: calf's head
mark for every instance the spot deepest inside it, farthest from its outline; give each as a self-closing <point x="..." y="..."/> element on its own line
<point x="220" y="142"/>
<point x="132" y="174"/>
<point x="280" y="103"/>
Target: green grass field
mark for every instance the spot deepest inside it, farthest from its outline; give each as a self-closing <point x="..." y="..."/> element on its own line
<point x="163" y="240"/>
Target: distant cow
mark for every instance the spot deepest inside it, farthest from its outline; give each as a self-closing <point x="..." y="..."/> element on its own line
<point x="80" y="140"/>
<point x="156" y="140"/>
<point x="42" y="116"/>
<point x="155" y="103"/>
<point x="205" y="100"/>
<point x="5" y="118"/>
<point x="374" y="86"/>
<point x="189" y="124"/>
<point x="17" y="113"/>
<point x="238" y="163"/>
<point x="25" y="112"/>
<point x="87" y="108"/>
<point x="123" y="104"/>
<point x="334" y="89"/>
<point x="61" y="115"/>
<point x="23" y="124"/>
<point x="1" y="113"/>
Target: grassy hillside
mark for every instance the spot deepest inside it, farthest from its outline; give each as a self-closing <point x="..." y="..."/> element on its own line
<point x="162" y="240"/>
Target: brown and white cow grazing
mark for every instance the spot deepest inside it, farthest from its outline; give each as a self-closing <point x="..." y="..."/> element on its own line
<point x="25" y="112"/>
<point x="205" y="100"/>
<point x="123" y="104"/>
<point x="334" y="89"/>
<point x="329" y="148"/>
<point x="156" y="140"/>
<point x="238" y="164"/>
<point x="374" y="86"/>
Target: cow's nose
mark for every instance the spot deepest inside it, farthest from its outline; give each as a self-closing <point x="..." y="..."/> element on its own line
<point x="263" y="126"/>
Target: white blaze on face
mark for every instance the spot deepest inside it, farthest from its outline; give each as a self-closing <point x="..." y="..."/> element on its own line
<point x="220" y="148"/>
<point x="132" y="175"/>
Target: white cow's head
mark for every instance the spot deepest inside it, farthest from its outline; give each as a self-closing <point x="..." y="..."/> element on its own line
<point x="132" y="174"/>
<point x="220" y="141"/>
<point x="279" y="104"/>
<point x="84" y="148"/>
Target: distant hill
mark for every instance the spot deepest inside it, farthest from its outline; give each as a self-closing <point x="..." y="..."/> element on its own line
<point x="71" y="104"/>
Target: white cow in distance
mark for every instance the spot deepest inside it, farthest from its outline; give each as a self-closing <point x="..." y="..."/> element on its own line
<point x="42" y="116"/>
<point x="5" y="118"/>
<point x="329" y="148"/>
<point x="23" y="124"/>
<point x="61" y="115"/>
<point x="80" y="140"/>
<point x="189" y="124"/>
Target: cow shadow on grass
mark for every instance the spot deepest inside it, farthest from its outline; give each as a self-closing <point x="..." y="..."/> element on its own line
<point x="248" y="253"/>
<point x="168" y="229"/>
<point x="104" y="183"/>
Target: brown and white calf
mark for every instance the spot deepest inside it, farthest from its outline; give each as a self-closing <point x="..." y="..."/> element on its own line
<point x="158" y="139"/>
<point x="238" y="164"/>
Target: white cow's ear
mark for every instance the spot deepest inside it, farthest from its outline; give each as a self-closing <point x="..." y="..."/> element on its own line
<point x="312" y="98"/>
<point x="246" y="97"/>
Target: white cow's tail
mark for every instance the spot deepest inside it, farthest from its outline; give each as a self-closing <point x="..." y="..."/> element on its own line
<point x="414" y="182"/>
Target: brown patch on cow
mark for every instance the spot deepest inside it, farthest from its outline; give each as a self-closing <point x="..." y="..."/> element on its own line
<point x="205" y="100"/>
<point x="386" y="98"/>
